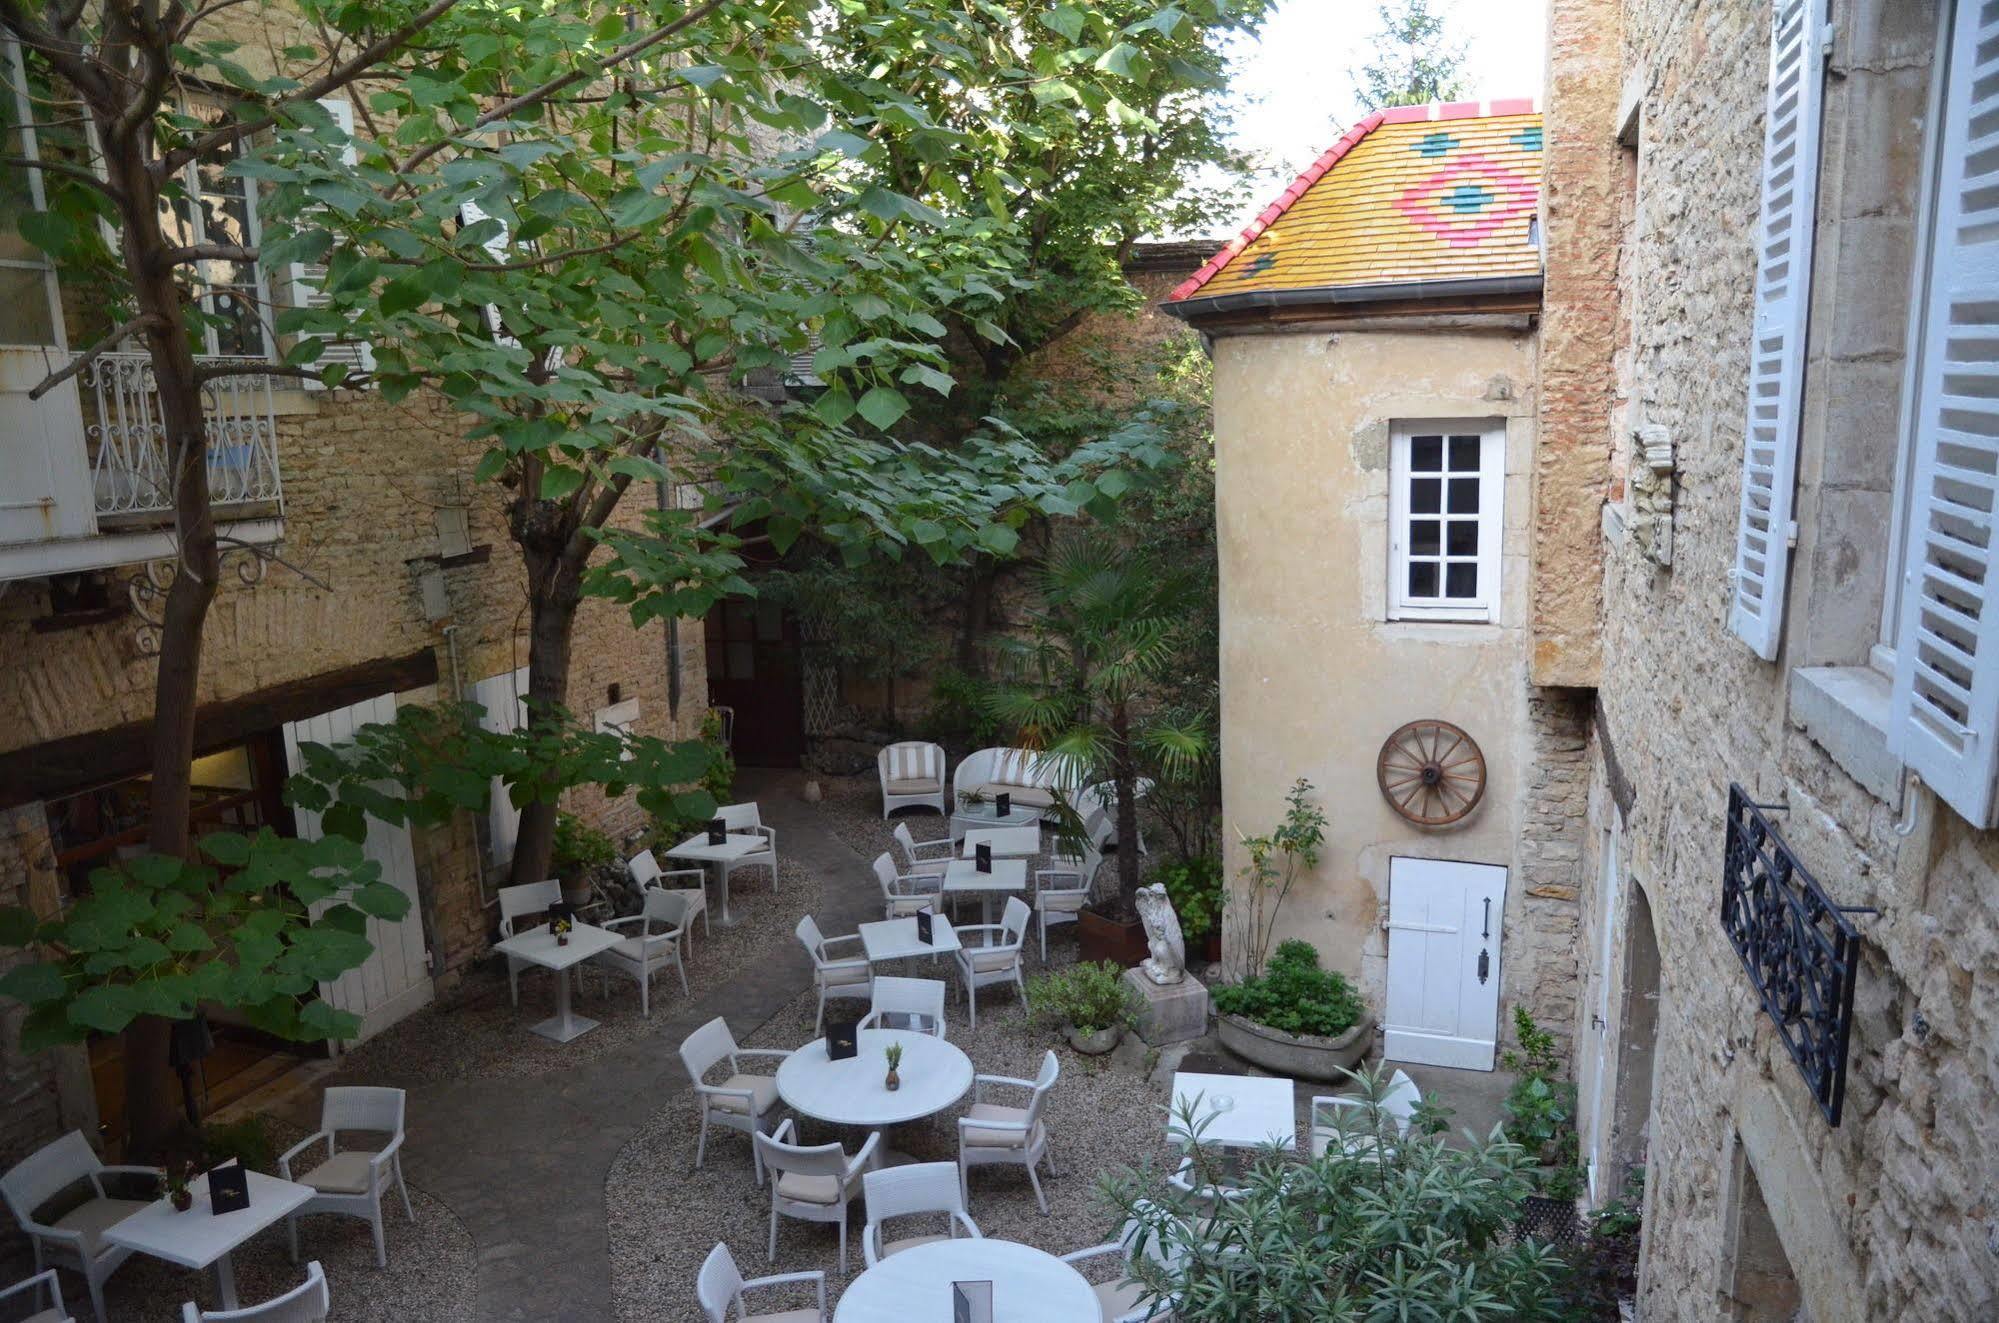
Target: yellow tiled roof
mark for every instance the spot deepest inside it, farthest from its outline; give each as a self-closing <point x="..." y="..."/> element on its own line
<point x="1417" y="193"/>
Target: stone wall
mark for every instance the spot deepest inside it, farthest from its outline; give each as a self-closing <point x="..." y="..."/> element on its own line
<point x="1891" y="1214"/>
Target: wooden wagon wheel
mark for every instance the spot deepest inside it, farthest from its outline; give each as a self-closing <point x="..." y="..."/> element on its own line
<point x="1431" y="773"/>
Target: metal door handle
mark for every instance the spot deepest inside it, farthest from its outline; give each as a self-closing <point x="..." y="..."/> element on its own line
<point x="1484" y="965"/>
<point x="1487" y="932"/>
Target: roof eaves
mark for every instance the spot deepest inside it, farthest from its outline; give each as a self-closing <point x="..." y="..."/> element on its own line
<point x="1324" y="295"/>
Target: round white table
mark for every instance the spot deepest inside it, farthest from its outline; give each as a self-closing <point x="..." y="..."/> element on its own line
<point x="1028" y="1285"/>
<point x="934" y="1075"/>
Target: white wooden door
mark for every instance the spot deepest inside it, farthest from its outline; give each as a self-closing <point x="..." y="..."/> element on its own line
<point x="395" y="980"/>
<point x="503" y="697"/>
<point x="1443" y="962"/>
<point x="1596" y="1056"/>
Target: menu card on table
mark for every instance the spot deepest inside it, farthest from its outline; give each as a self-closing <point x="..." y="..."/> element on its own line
<point x="228" y="1188"/>
<point x="718" y="831"/>
<point x="982" y="857"/>
<point x="971" y="1302"/>
<point x="843" y="1039"/>
<point x="924" y="932"/>
<point x="1004" y="802"/>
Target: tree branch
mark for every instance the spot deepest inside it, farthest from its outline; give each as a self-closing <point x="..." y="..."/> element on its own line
<point x="144" y="321"/>
<point x="210" y="252"/>
<point x="238" y="368"/>
<point x="66" y="170"/>
<point x="332" y="81"/>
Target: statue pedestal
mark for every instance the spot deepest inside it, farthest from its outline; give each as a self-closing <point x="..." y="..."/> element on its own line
<point x="1169" y="1013"/>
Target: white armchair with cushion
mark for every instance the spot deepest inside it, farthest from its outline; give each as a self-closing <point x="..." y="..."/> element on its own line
<point x="352" y="1180"/>
<point x="692" y="883"/>
<point x="1017" y="1136"/>
<point x="815" y="1183"/>
<point x="903" y="894"/>
<point x="1121" y="1299"/>
<point x="721" y="1286"/>
<point x="652" y="942"/>
<point x="516" y="903"/>
<point x="63" y="1203"/>
<point x="744" y="820"/>
<point x="911" y="1191"/>
<point x="997" y="959"/>
<point x="927" y="857"/>
<point x="1028" y="776"/>
<point x="834" y="975"/>
<point x="912" y="773"/>
<point x="915" y="1004"/>
<point x="1344" y="1119"/>
<point x="740" y="1102"/>
<point x="1061" y="892"/>
<point x="308" y="1302"/>
<point x="41" y="1293"/>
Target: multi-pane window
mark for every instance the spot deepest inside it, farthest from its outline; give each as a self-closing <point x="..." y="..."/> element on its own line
<point x="216" y="207"/>
<point x="1445" y="481"/>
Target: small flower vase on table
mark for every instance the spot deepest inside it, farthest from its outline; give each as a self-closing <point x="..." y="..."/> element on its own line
<point x="562" y="932"/>
<point x="894" y="1054"/>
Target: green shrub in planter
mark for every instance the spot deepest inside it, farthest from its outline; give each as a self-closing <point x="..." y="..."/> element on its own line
<point x="1294" y="995"/>
<point x="1195" y="888"/>
<point x="1092" y="996"/>
<point x="579" y="846"/>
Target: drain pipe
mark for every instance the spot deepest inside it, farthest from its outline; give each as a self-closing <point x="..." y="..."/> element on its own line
<point x="662" y="500"/>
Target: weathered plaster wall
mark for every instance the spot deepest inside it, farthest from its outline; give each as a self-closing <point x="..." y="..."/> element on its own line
<point x="1313" y="675"/>
<point x="1891" y="1215"/>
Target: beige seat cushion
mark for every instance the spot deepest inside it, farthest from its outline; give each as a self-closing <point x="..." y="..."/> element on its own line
<point x="976" y="1137"/>
<point x="345" y="1172"/>
<point x="917" y="786"/>
<point x="801" y="1188"/>
<point x="635" y="949"/>
<point x="1025" y="796"/>
<point x="95" y="1217"/>
<point x="48" y="1316"/>
<point x="1118" y="1298"/>
<point x="986" y="962"/>
<point x="762" y="1086"/>
<point x="788" y="1316"/>
<point x="908" y="1242"/>
<point x="845" y="975"/>
<point x="1061" y="902"/>
<point x="907" y="905"/>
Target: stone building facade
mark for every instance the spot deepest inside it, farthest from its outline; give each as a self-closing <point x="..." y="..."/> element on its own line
<point x="1756" y="1205"/>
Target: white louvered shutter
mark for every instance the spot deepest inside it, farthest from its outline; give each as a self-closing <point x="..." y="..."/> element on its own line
<point x="1777" y="343"/>
<point x="309" y="278"/>
<point x="1946" y="713"/>
<point x="470" y="214"/>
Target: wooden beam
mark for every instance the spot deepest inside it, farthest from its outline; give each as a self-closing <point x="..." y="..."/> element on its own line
<point x="61" y="767"/>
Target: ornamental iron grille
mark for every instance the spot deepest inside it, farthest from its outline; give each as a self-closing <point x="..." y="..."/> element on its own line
<point x="1801" y="951"/>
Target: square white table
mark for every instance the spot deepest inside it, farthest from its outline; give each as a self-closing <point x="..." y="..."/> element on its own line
<point x="1007" y="842"/>
<point x="962" y="877"/>
<point x="538" y="946"/>
<point x="974" y="817"/>
<point x="198" y="1237"/>
<point x="896" y="939"/>
<point x="735" y="847"/>
<point x="1249" y="1111"/>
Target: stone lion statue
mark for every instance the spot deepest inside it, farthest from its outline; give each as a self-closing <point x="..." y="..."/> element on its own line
<point x="1168" y="962"/>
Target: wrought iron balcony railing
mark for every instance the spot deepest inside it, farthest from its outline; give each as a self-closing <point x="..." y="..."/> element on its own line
<point x="126" y="439"/>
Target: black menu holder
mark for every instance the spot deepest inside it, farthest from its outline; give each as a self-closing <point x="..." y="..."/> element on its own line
<point x="1003" y="804"/>
<point x="843" y="1039"/>
<point x="982" y="857"/>
<point x="718" y="832"/>
<point x="561" y="910"/>
<point x="924" y="932"/>
<point x="228" y="1189"/>
<point x="971" y="1302"/>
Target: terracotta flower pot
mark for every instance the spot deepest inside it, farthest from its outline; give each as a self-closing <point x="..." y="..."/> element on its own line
<point x="182" y="1200"/>
<point x="893" y="1082"/>
<point x="1122" y="942"/>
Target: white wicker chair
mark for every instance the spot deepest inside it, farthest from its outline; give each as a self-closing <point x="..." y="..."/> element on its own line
<point x="834" y="976"/>
<point x="912" y="774"/>
<point x="1343" y="1119"/>
<point x="308" y="1302"/>
<point x="916" y="1004"/>
<point x="352" y="1181"/>
<point x="662" y="926"/>
<point x="740" y="1101"/>
<point x="645" y="872"/>
<point x="76" y="1238"/>
<point x="720" y="1288"/>
<point x="1061" y="892"/>
<point x="44" y="1294"/>
<point x="903" y="894"/>
<point x="990" y="1133"/>
<point x="519" y="903"/>
<point x="997" y="961"/>
<point x="814" y="1183"/>
<point x="926" y="857"/>
<point x="924" y="1187"/>
<point x="1120" y="1299"/>
<point x="743" y="819"/>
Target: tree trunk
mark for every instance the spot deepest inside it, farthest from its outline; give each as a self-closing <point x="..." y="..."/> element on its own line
<point x="556" y="594"/>
<point x="976" y="618"/>
<point x="1124" y="776"/>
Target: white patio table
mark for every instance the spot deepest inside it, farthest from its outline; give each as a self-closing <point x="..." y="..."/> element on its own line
<point x="962" y="877"/>
<point x="537" y="945"/>
<point x="1029" y="1286"/>
<point x="200" y="1237"/>
<point x="971" y="817"/>
<point x="1007" y="842"/>
<point x="851" y="1092"/>
<point x="896" y="939"/>
<point x="1248" y="1111"/>
<point x="735" y="847"/>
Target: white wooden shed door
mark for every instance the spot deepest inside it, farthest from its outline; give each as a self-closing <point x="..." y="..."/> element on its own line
<point x="1443" y="962"/>
<point x="503" y="698"/>
<point x="395" y="980"/>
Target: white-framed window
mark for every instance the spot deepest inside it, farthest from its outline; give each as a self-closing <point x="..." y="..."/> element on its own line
<point x="220" y="208"/>
<point x="1446" y="481"/>
<point x="30" y="307"/>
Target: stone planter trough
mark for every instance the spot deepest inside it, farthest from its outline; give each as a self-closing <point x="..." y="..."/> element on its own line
<point x="1300" y="1056"/>
<point x="1093" y="1044"/>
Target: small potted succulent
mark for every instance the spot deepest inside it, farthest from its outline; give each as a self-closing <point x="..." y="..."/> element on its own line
<point x="894" y="1054"/>
<point x="1090" y="1002"/>
<point x="561" y="929"/>
<point x="176" y="1176"/>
